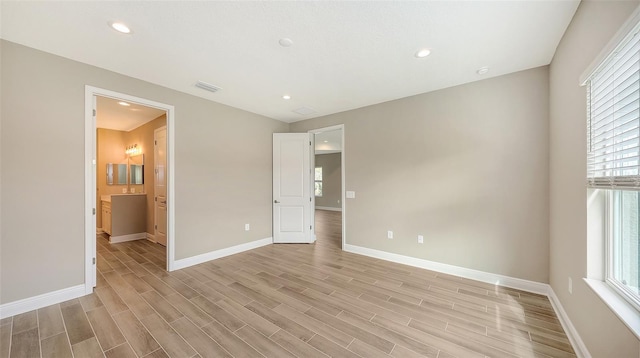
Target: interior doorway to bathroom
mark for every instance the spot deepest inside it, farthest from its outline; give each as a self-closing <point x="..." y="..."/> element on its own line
<point x="121" y="175"/>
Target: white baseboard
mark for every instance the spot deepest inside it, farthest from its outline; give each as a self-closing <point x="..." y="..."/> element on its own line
<point x="129" y="237"/>
<point x="495" y="279"/>
<point x="198" y="259"/>
<point x="40" y="301"/>
<point x="151" y="237"/>
<point x="576" y="342"/>
<point x="501" y="280"/>
<point x="328" y="208"/>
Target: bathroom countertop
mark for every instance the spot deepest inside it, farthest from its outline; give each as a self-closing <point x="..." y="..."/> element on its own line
<point x="107" y="197"/>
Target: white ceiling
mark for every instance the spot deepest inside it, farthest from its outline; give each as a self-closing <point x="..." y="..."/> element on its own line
<point x="345" y="54"/>
<point x="111" y="114"/>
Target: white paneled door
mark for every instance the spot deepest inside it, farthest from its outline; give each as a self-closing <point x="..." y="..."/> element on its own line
<point x="292" y="194"/>
<point x="160" y="185"/>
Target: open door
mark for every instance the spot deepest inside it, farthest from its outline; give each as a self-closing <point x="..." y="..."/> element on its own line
<point x="160" y="185"/>
<point x="292" y="195"/>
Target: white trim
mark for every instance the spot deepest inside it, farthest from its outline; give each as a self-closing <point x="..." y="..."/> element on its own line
<point x="572" y="333"/>
<point x="328" y="208"/>
<point x="90" y="184"/>
<point x="40" y="301"/>
<point x="128" y="237"/>
<point x="607" y="51"/>
<point x="495" y="279"/>
<point x="212" y="255"/>
<point x="344" y="175"/>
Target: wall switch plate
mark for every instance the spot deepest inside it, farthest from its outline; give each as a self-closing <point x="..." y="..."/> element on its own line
<point x="420" y="239"/>
<point x="570" y="285"/>
<point x="389" y="234"/>
<point x="350" y="194"/>
<point x="133" y="190"/>
<point x="124" y="190"/>
<point x="247" y="227"/>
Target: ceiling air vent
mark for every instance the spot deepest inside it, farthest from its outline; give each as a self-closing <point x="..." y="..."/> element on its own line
<point x="304" y="111"/>
<point x="207" y="86"/>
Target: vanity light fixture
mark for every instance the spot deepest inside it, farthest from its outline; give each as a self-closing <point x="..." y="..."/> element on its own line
<point x="133" y="150"/>
<point x="286" y="96"/>
<point x="124" y="104"/>
<point x="120" y="27"/>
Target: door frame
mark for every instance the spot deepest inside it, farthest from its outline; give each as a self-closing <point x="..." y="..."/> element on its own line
<point x="342" y="174"/>
<point x="90" y="185"/>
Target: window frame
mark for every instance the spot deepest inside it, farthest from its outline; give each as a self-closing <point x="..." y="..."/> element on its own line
<point x="612" y="199"/>
<point x="318" y="181"/>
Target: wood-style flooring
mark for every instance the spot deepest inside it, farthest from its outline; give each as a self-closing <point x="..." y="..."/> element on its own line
<point x="284" y="301"/>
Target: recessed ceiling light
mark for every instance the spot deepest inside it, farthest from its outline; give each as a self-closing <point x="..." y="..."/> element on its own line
<point x="120" y="27"/>
<point x="423" y="53"/>
<point x="285" y="42"/>
<point x="326" y="141"/>
<point x="286" y="96"/>
<point x="124" y="104"/>
<point x="482" y="70"/>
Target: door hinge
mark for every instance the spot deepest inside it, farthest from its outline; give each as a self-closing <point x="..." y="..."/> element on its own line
<point x="155" y="142"/>
<point x="155" y="227"/>
<point x="310" y="227"/>
<point x="94" y="260"/>
<point x="94" y="211"/>
<point x="155" y="198"/>
<point x="309" y="142"/>
<point x="94" y="112"/>
<point x="309" y="199"/>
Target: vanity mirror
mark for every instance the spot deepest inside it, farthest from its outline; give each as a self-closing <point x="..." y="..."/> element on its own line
<point x="116" y="174"/>
<point x="136" y="169"/>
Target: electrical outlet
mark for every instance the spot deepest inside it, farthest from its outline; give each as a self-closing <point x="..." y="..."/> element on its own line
<point x="420" y="239"/>
<point x="570" y="285"/>
<point x="389" y="234"/>
<point x="247" y="227"/>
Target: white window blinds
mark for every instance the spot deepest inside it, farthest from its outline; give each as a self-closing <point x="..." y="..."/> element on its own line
<point x="613" y="113"/>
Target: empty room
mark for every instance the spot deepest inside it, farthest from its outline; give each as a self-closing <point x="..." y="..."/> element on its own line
<point x="320" y="178"/>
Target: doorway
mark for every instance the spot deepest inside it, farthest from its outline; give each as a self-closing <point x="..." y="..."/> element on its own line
<point x="124" y="170"/>
<point x="329" y="186"/>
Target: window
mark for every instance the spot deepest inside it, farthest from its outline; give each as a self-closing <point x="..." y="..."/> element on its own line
<point x="623" y="249"/>
<point x="613" y="160"/>
<point x="318" y="181"/>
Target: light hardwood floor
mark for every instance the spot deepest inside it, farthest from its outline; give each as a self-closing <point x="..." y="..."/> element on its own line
<point x="284" y="301"/>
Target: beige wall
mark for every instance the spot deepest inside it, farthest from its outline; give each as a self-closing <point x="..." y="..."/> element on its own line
<point x="331" y="180"/>
<point x="592" y="27"/>
<point x="466" y="167"/>
<point x="109" y="149"/>
<point x="222" y="170"/>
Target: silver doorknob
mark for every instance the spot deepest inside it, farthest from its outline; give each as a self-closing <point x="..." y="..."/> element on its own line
<point x="277" y="202"/>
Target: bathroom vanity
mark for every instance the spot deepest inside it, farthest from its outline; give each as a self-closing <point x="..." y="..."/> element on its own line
<point x="124" y="216"/>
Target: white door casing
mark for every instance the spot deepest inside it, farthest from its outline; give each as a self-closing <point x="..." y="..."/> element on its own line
<point x="292" y="194"/>
<point x="160" y="185"/>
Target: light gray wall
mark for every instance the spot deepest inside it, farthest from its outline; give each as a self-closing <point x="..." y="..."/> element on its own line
<point x="331" y="180"/>
<point x="467" y="167"/>
<point x="592" y="27"/>
<point x="222" y="170"/>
